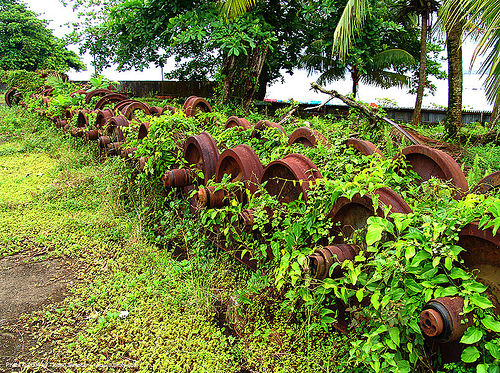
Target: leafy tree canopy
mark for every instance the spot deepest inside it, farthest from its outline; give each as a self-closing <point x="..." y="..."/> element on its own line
<point x="26" y="43"/>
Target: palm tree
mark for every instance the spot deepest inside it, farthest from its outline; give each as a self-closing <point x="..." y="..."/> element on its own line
<point x="376" y="72"/>
<point x="235" y="8"/>
<point x="351" y="23"/>
<point x="482" y="18"/>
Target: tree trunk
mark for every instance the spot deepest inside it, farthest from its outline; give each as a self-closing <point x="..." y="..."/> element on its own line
<point x="495" y="114"/>
<point x="241" y="75"/>
<point x="453" y="120"/>
<point x="422" y="74"/>
<point x="355" y="81"/>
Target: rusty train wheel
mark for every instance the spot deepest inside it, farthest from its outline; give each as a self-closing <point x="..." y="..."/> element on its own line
<point x="83" y="118"/>
<point x="12" y="97"/>
<point x="240" y="123"/>
<point x="490" y="183"/>
<point x="143" y="131"/>
<point x="194" y="105"/>
<point x="428" y="162"/>
<point x="353" y="213"/>
<point x="482" y="252"/>
<point x="114" y="127"/>
<point x="242" y="163"/>
<point x="128" y="111"/>
<point x="363" y="146"/>
<point x="96" y="92"/>
<point x="109" y="99"/>
<point x="201" y="152"/>
<point x="308" y="137"/>
<point x="120" y="105"/>
<point x="289" y="177"/>
<point x="102" y="117"/>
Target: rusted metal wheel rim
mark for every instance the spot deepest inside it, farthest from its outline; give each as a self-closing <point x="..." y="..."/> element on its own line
<point x="307" y="137"/>
<point x="428" y="162"/>
<point x="482" y="252"/>
<point x="114" y="127"/>
<point x="240" y="123"/>
<point x="352" y="214"/>
<point x="363" y="146"/>
<point x="201" y="152"/>
<point x="110" y="99"/>
<point x="242" y="163"/>
<point x="96" y="92"/>
<point x="194" y="105"/>
<point x="156" y="111"/>
<point x="12" y="97"/>
<point x="143" y="131"/>
<point x="261" y="125"/>
<point x="83" y="118"/>
<point x="102" y="117"/>
<point x="490" y="183"/>
<point x="289" y="177"/>
<point x="128" y="111"/>
<point x="120" y="105"/>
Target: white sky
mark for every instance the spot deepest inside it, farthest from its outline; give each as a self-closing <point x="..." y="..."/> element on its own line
<point x="296" y="86"/>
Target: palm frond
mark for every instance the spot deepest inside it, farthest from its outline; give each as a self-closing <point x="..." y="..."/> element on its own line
<point x="350" y="23"/>
<point x="385" y="79"/>
<point x="235" y="8"/>
<point x="391" y="58"/>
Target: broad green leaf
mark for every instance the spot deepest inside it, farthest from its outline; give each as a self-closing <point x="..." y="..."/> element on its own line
<point x="374" y="234"/>
<point x="459" y="273"/>
<point x="493" y="348"/>
<point x="375" y="301"/>
<point x="470" y="354"/>
<point x="490" y="323"/>
<point x="448" y="263"/>
<point x="394" y="333"/>
<point x="482" y="368"/>
<point x="480" y="301"/>
<point x="472" y="335"/>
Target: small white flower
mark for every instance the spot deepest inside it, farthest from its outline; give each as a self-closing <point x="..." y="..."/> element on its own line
<point x="123" y="314"/>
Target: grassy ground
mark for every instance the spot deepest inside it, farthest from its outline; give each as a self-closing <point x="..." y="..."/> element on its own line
<point x="134" y="306"/>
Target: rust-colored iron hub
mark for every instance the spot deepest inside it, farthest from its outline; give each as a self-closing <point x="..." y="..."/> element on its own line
<point x="113" y="148"/>
<point x="352" y="214"/>
<point x="308" y="137"/>
<point x="363" y="146"/>
<point x="482" y="252"/>
<point x="76" y="132"/>
<point x="194" y="105"/>
<point x="441" y="319"/>
<point x="239" y="123"/>
<point x="290" y="177"/>
<point x="428" y="162"/>
<point x="180" y="177"/>
<point x="490" y="183"/>
<point x="322" y="260"/>
<point x="91" y="135"/>
<point x="104" y="141"/>
<point x="211" y="197"/>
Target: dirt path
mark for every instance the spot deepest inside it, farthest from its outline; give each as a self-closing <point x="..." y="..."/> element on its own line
<point x="26" y="285"/>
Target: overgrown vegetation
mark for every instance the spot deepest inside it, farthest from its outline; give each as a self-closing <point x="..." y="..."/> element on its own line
<point x="280" y="318"/>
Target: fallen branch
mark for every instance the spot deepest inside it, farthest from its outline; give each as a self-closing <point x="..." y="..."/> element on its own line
<point x="365" y="110"/>
<point x="288" y="115"/>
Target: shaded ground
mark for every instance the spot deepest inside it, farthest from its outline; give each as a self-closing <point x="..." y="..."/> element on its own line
<point x="26" y="285"/>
